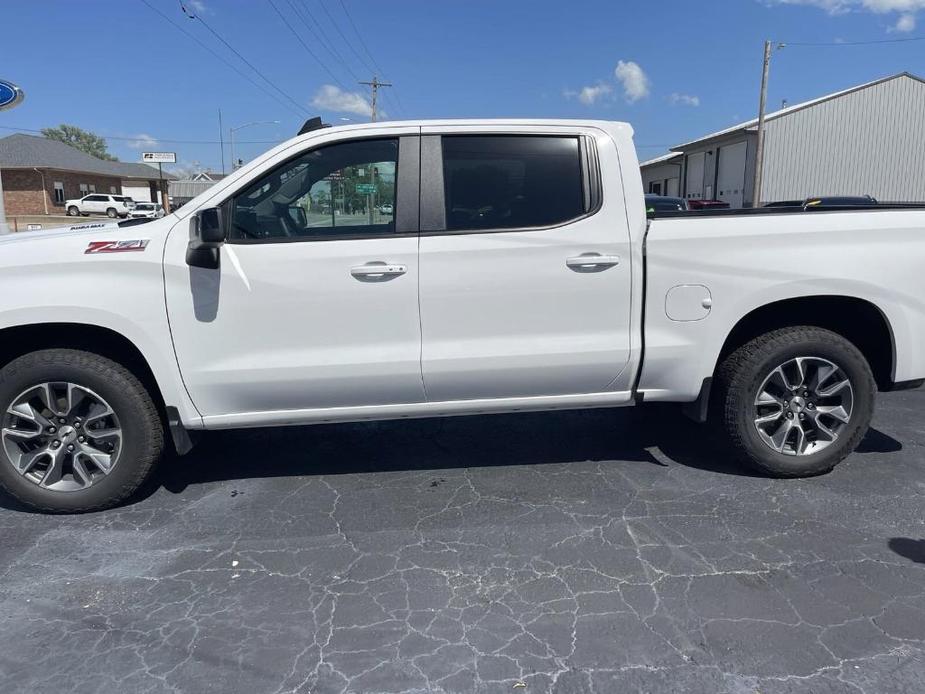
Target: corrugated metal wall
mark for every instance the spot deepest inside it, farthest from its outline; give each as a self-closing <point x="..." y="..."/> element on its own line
<point x="870" y="142"/>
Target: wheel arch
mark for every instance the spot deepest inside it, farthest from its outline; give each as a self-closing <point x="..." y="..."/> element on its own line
<point x="859" y="321"/>
<point x="15" y="341"/>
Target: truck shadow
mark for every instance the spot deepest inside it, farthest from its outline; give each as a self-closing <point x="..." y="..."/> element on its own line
<point x="657" y="435"/>
<point x="913" y="550"/>
<point x="654" y="435"/>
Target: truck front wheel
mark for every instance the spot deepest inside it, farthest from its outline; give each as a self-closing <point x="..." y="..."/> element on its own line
<point x="797" y="401"/>
<point x="78" y="432"/>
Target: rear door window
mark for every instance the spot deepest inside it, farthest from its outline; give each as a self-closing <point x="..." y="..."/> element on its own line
<point x="511" y="182"/>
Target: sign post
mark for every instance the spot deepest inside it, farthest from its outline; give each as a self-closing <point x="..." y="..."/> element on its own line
<point x="10" y="96"/>
<point x="161" y="158"/>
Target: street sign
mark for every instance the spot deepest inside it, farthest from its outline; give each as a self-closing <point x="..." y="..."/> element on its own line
<point x="159" y="157"/>
<point x="10" y="95"/>
<point x="366" y="188"/>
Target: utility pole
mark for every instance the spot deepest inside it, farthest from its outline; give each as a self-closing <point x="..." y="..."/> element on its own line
<point x="762" y="107"/>
<point x="374" y="85"/>
<point x="221" y="139"/>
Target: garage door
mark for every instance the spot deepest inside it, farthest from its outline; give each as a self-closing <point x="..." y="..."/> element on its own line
<point x="694" y="186"/>
<point x="730" y="181"/>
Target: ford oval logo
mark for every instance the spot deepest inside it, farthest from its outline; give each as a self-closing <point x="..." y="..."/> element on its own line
<point x="10" y="95"/>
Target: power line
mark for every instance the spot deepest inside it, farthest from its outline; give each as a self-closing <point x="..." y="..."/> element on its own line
<point x="360" y="37"/>
<point x="346" y="40"/>
<point x="324" y="39"/>
<point x="219" y="57"/>
<point x="836" y="44"/>
<point x="304" y="45"/>
<point x="247" y="62"/>
<point x="378" y="69"/>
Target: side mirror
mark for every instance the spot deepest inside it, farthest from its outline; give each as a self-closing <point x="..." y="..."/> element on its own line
<point x="298" y="216"/>
<point x="206" y="238"/>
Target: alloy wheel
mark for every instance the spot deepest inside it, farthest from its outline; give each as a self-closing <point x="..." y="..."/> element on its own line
<point x="61" y="436"/>
<point x="803" y="406"/>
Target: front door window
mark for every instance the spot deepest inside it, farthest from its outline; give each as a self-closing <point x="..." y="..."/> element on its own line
<point x="346" y="189"/>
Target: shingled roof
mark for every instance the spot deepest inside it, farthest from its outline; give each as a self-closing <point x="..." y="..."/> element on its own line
<point x="21" y="151"/>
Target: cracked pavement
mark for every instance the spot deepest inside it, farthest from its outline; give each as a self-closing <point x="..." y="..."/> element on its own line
<point x="598" y="551"/>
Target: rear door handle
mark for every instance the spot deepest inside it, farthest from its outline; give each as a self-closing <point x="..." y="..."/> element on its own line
<point x="378" y="270"/>
<point x="592" y="261"/>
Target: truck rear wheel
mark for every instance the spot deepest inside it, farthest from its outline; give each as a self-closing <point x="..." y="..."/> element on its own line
<point x="78" y="432"/>
<point x="797" y="401"/>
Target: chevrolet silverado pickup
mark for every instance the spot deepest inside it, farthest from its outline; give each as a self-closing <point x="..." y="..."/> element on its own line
<point x="515" y="270"/>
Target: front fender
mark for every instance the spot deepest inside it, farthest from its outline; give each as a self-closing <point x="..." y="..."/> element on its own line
<point x="50" y="278"/>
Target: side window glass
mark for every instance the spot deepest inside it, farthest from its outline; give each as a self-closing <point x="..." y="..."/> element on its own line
<point x="345" y="188"/>
<point x="511" y="182"/>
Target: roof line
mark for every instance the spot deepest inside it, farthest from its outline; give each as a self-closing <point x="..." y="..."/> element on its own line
<point x="753" y="123"/>
<point x="663" y="159"/>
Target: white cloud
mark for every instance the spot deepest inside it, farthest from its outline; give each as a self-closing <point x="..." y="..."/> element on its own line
<point x="332" y="98"/>
<point x="905" y="8"/>
<point x="591" y="94"/>
<point x="634" y="80"/>
<point x="143" y="141"/>
<point x="905" y="23"/>
<point x="841" y="6"/>
<point x="684" y="100"/>
<point x="197" y="6"/>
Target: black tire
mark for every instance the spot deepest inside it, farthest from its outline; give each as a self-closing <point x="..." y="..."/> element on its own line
<point x="111" y="213"/>
<point x="743" y="372"/>
<point x="142" y="427"/>
<point x="73" y="211"/>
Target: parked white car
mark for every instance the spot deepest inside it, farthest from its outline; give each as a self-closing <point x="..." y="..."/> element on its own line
<point x="519" y="272"/>
<point x="150" y="210"/>
<point x="100" y="203"/>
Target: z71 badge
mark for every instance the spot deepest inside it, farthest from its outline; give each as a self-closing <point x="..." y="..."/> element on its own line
<point x="117" y="246"/>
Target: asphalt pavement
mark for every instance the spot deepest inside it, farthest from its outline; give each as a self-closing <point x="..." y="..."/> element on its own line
<point x="599" y="551"/>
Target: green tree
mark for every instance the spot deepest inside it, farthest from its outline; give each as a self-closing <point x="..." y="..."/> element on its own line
<point x="81" y="139"/>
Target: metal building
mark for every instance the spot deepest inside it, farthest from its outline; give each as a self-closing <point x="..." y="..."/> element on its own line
<point x="662" y="175"/>
<point x="866" y="140"/>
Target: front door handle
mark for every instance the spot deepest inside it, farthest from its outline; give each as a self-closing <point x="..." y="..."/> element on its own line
<point x="591" y="262"/>
<point x="378" y="270"/>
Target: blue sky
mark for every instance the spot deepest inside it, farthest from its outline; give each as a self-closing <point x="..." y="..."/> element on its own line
<point x="674" y="69"/>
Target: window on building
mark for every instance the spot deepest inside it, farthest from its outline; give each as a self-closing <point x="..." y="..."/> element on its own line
<point x="112" y="190"/>
<point x="59" y="193"/>
<point x="84" y="189"/>
<point x="511" y="182"/>
<point x="92" y="188"/>
<point x="347" y="188"/>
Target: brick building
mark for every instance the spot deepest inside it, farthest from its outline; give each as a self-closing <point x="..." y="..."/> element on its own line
<point x="40" y="174"/>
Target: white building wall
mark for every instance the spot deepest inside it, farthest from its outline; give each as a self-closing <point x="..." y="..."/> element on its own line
<point x="667" y="175"/>
<point x="139" y="191"/>
<point x="868" y="142"/>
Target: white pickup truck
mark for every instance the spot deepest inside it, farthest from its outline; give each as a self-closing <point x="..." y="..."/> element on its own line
<point x="516" y="270"/>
